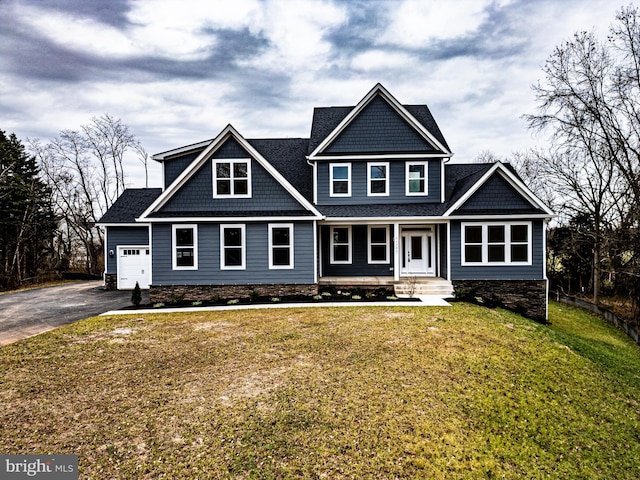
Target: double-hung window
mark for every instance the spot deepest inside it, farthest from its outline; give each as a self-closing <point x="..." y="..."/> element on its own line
<point x="341" y="244"/>
<point x="232" y="247"/>
<point x="378" y="244"/>
<point x="492" y="243"/>
<point x="232" y="178"/>
<point x="281" y="246"/>
<point x="378" y="179"/>
<point x="416" y="178"/>
<point x="340" y="179"/>
<point x="185" y="247"/>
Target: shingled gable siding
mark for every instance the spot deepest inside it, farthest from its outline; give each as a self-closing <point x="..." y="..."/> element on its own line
<point x="497" y="195"/>
<point x="378" y="128"/>
<point x="397" y="186"/>
<point x="359" y="265"/>
<point x="174" y="166"/>
<point x="197" y="194"/>
<point x="257" y="258"/>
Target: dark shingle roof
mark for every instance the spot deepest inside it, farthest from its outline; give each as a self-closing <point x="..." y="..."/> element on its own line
<point x="130" y="205"/>
<point x="386" y="210"/>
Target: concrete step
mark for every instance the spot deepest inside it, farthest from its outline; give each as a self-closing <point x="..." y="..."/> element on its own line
<point x="436" y="286"/>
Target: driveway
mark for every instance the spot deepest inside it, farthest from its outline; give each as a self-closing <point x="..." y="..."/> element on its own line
<point x="30" y="312"/>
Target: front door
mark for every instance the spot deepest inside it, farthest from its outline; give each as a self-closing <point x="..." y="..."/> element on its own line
<point x="418" y="253"/>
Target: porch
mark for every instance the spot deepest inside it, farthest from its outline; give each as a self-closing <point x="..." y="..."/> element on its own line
<point x="405" y="286"/>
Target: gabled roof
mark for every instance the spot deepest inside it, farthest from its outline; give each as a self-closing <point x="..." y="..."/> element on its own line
<point x="130" y="205"/>
<point x="330" y="123"/>
<point x="466" y="187"/>
<point x="209" y="150"/>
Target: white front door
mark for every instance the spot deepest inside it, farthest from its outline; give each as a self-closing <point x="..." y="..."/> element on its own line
<point x="133" y="266"/>
<point x="418" y="250"/>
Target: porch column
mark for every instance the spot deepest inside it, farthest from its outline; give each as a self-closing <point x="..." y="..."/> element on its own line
<point x="397" y="261"/>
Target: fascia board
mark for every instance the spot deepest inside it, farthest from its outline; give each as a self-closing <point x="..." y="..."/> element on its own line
<point x="360" y="106"/>
<point x="385" y="156"/>
<point x="159" y="157"/>
<point x="511" y="178"/>
<point x="504" y="216"/>
<point x="141" y="224"/>
<point x="231" y="219"/>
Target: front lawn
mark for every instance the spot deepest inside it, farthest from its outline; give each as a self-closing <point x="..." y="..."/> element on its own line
<point x="354" y="392"/>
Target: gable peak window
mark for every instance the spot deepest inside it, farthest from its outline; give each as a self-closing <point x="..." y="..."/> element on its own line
<point x="232" y="178"/>
<point x="340" y="179"/>
<point x="416" y="178"/>
<point x="378" y="179"/>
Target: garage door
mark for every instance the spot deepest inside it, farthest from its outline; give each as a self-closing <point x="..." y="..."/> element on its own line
<point x="133" y="266"/>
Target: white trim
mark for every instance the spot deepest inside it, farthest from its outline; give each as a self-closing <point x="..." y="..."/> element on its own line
<point x="380" y="156"/>
<point x="385" y="179"/>
<point x="387" y="244"/>
<point x="442" y="183"/>
<point x="484" y="244"/>
<point x="174" y="259"/>
<point x="151" y="254"/>
<point x="396" y="252"/>
<point x="407" y="191"/>
<point x="331" y="179"/>
<point x="378" y="89"/>
<point x="506" y="217"/>
<point x="163" y="176"/>
<point x="159" y="157"/>
<point x="224" y="219"/>
<point x="243" y="246"/>
<point x="384" y="220"/>
<point x="449" y="251"/>
<point x="317" y="254"/>
<point x="349" y="245"/>
<point x="270" y="229"/>
<point x="200" y="160"/>
<point x="520" y="187"/>
<point x="141" y="224"/>
<point x="232" y="162"/>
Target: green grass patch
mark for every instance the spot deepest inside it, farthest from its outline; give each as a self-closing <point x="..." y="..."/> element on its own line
<point x="364" y="392"/>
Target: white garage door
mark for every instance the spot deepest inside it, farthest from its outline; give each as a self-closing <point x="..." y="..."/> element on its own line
<point x="133" y="266"/>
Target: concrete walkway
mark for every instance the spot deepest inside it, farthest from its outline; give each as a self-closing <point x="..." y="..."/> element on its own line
<point x="425" y="301"/>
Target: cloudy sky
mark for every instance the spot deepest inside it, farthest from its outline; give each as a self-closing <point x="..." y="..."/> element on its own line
<point x="178" y="71"/>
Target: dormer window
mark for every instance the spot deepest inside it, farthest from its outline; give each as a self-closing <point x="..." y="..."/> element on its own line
<point x="232" y="178"/>
<point x="340" y="181"/>
<point x="416" y="178"/>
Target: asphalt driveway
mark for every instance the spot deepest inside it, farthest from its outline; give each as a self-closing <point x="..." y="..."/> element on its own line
<point x="30" y="312"/>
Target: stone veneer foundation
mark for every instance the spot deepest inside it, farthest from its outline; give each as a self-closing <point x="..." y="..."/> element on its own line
<point x="177" y="293"/>
<point x="526" y="297"/>
<point x="110" y="281"/>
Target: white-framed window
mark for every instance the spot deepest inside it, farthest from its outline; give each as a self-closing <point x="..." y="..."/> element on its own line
<point x="185" y="247"/>
<point x="280" y="245"/>
<point x="378" y="179"/>
<point x="416" y="178"/>
<point x="379" y="244"/>
<point x="340" y="179"/>
<point x="232" y="178"/>
<point x="232" y="247"/>
<point x="496" y="243"/>
<point x="340" y="244"/>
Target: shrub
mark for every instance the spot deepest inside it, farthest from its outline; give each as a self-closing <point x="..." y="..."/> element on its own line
<point x="136" y="295"/>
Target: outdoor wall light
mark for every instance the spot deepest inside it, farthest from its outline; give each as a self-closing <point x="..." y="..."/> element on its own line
<point x="111" y="253"/>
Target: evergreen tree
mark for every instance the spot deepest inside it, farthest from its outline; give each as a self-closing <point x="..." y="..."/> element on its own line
<point x="27" y="222"/>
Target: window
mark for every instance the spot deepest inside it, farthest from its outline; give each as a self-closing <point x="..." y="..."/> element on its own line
<point x="340" y="244"/>
<point x="340" y="174"/>
<point x="185" y="247"/>
<point x="232" y="178"/>
<point x="378" y="244"/>
<point x="280" y="246"/>
<point x="232" y="247"/>
<point x="378" y="179"/>
<point x="496" y="243"/>
<point x="416" y="178"/>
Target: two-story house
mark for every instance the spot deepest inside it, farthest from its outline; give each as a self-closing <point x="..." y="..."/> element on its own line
<point x="371" y="198"/>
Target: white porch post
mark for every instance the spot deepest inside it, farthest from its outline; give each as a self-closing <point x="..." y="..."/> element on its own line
<point x="397" y="261"/>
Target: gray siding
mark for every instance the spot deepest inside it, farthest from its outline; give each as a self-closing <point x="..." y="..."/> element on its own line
<point x="442" y="245"/>
<point x="497" y="195"/>
<point x="175" y="166"/>
<point x="397" y="187"/>
<point x="197" y="194"/>
<point x="359" y="255"/>
<point x="257" y="258"/>
<point x="378" y="128"/>
<point x="123" y="236"/>
<point x="535" y="271"/>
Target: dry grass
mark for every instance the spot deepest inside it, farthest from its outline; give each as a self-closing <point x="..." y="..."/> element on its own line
<point x="460" y="392"/>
